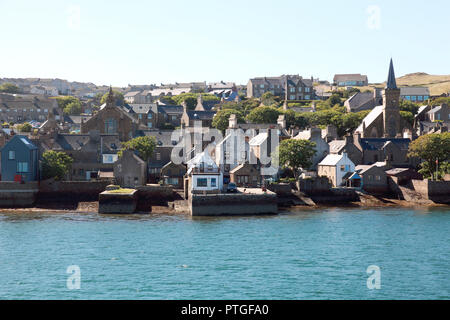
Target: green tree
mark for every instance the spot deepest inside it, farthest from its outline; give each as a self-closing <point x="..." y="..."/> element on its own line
<point x="295" y="154"/>
<point x="64" y="101"/>
<point x="434" y="149"/>
<point x="55" y="165"/>
<point x="190" y="99"/>
<point x="408" y="106"/>
<point x="268" y="99"/>
<point x="301" y="120"/>
<point x="73" y="108"/>
<point x="348" y="122"/>
<point x="408" y="117"/>
<point x="144" y="146"/>
<point x="264" y="114"/>
<point x="440" y="101"/>
<point x="118" y="97"/>
<point x="25" y="127"/>
<point x="222" y="117"/>
<point x="9" y="88"/>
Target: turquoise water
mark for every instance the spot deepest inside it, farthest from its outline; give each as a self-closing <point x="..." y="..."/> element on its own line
<point x="320" y="254"/>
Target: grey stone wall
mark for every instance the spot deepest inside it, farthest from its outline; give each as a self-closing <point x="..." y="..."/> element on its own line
<point x="17" y="195"/>
<point x="233" y="204"/>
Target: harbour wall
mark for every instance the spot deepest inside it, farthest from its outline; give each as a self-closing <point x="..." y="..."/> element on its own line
<point x="233" y="204"/>
<point x="18" y="195"/>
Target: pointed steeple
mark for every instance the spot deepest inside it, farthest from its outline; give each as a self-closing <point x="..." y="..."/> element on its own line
<point x="110" y="101"/>
<point x="391" y="83"/>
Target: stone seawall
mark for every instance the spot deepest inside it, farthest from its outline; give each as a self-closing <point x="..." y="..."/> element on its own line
<point x="71" y="190"/>
<point x="117" y="203"/>
<point x="233" y="204"/>
<point x="18" y="195"/>
<point x="438" y="191"/>
<point x="336" y="196"/>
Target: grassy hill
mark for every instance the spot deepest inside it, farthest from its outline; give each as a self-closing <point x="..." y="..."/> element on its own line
<point x="437" y="84"/>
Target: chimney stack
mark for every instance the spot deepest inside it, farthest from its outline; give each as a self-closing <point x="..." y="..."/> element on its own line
<point x="232" y="122"/>
<point x="282" y="121"/>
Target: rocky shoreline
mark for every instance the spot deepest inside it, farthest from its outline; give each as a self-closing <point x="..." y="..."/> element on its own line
<point x="181" y="207"/>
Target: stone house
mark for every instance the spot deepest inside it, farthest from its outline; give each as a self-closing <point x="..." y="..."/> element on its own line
<point x="146" y="114"/>
<point x="380" y="149"/>
<point x="92" y="153"/>
<point x="19" y="160"/>
<point x="364" y="101"/>
<point x="23" y="108"/>
<point x="403" y="176"/>
<point x="322" y="148"/>
<point x="373" y="177"/>
<point x="165" y="142"/>
<point x="130" y="171"/>
<point x="432" y="119"/>
<point x="288" y="87"/>
<point x="132" y="96"/>
<point x="335" y="167"/>
<point x="173" y="174"/>
<point x="189" y="117"/>
<point x="112" y="120"/>
<point x="169" y="114"/>
<point x="347" y="146"/>
<point x="439" y="113"/>
<point x="246" y="175"/>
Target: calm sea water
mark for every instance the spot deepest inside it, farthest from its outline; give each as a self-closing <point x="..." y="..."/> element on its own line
<point x="320" y="254"/>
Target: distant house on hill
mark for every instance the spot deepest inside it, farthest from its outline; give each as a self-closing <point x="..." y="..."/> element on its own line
<point x="415" y="94"/>
<point x="288" y="87"/>
<point x="350" y="80"/>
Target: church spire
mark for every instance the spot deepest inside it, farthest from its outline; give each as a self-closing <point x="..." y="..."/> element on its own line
<point x="110" y="101"/>
<point x="391" y="83"/>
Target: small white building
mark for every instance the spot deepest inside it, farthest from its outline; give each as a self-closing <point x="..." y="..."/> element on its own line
<point x="204" y="174"/>
<point x="335" y="167"/>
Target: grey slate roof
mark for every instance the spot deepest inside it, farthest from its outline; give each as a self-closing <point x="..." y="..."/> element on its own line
<point x="281" y="80"/>
<point x="170" y="109"/>
<point x="163" y="138"/>
<point x="111" y="143"/>
<point x="349" y="77"/>
<point x="336" y="145"/>
<point x="435" y="109"/>
<point x="379" y="143"/>
<point x="201" y="115"/>
<point x="140" y="108"/>
<point x="359" y="99"/>
<point x="414" y="91"/>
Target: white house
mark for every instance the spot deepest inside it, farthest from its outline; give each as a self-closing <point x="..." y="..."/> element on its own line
<point x="231" y="152"/>
<point x="41" y="90"/>
<point x="204" y="174"/>
<point x="335" y="167"/>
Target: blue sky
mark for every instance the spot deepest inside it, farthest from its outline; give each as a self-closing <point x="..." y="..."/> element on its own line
<point x="142" y="42"/>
